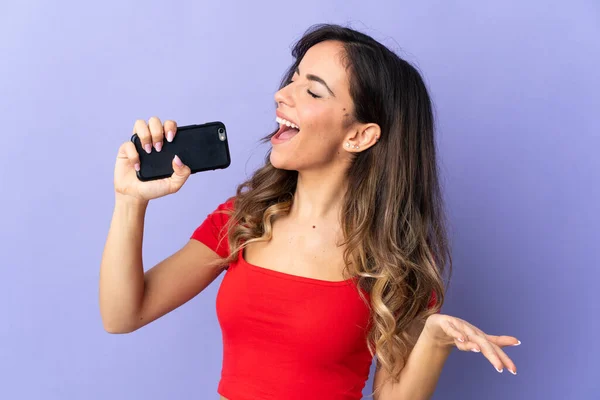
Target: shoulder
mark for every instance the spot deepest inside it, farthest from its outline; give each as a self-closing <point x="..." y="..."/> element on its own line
<point x="223" y="210"/>
<point x="213" y="230"/>
<point x="228" y="204"/>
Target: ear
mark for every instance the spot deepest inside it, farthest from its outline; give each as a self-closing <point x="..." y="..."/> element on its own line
<point x="361" y="138"/>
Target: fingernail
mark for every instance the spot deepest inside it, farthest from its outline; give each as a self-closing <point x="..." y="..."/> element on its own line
<point x="475" y="350"/>
<point x="516" y="344"/>
<point x="461" y="340"/>
<point x="514" y="373"/>
<point x="137" y="166"/>
<point x="148" y="148"/>
<point x="178" y="161"/>
<point x="158" y="146"/>
<point x="170" y="136"/>
<point x="499" y="370"/>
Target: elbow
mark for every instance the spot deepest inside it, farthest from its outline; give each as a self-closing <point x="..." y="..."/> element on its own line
<point x="117" y="327"/>
<point x="117" y="321"/>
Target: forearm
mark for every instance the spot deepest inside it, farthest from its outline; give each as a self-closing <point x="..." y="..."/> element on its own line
<point x="121" y="271"/>
<point x="420" y="375"/>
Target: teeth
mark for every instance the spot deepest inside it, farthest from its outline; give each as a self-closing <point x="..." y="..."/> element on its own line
<point x="286" y="122"/>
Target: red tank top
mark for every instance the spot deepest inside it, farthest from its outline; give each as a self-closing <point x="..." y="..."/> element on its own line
<point x="286" y="336"/>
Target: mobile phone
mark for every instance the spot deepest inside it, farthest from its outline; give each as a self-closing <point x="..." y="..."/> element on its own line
<point x="201" y="147"/>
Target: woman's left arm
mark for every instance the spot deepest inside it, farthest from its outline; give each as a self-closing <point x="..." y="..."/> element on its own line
<point x="440" y="334"/>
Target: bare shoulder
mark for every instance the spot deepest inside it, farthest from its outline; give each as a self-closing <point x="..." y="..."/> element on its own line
<point x="177" y="279"/>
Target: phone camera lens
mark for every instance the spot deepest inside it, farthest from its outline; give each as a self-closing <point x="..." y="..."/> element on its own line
<point x="221" y="132"/>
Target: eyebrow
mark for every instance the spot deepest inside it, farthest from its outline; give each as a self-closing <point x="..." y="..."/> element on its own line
<point x="315" y="78"/>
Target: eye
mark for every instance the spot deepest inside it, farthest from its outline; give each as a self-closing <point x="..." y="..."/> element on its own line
<point x="307" y="90"/>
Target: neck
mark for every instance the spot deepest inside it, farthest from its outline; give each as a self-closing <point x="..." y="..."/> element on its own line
<point x="319" y="196"/>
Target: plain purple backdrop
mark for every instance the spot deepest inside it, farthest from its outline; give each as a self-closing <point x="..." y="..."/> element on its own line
<point x="516" y="90"/>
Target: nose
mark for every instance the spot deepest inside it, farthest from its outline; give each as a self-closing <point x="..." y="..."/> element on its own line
<point x="285" y="96"/>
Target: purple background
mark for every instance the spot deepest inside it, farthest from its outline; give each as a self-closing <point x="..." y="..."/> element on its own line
<point x="516" y="89"/>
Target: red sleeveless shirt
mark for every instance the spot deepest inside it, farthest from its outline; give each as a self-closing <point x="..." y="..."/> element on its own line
<point x="286" y="336"/>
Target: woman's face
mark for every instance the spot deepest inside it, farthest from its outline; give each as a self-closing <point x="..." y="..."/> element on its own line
<point x="317" y="101"/>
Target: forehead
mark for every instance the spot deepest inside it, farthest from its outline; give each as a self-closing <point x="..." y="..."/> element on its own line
<point x="325" y="59"/>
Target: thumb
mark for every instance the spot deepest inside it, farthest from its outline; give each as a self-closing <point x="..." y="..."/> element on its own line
<point x="180" y="173"/>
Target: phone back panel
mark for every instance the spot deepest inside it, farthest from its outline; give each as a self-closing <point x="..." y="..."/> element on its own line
<point x="200" y="147"/>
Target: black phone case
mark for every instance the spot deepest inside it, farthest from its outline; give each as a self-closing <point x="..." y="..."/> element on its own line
<point x="201" y="147"/>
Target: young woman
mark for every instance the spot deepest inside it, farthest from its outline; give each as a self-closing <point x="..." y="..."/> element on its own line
<point x="335" y="249"/>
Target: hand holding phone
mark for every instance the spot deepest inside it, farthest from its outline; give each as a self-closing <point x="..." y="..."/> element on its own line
<point x="201" y="147"/>
<point x="142" y="173"/>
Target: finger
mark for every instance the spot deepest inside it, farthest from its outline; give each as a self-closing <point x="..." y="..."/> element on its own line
<point x="488" y="351"/>
<point x="466" y="346"/>
<point x="461" y="338"/>
<point x="157" y="133"/>
<point x="129" y="152"/>
<point x="170" y="130"/>
<point x="180" y="174"/>
<point x="454" y="332"/>
<point x="141" y="129"/>
<point x="508" y="363"/>
<point x="504" y="341"/>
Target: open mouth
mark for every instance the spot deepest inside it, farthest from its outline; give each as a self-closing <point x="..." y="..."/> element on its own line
<point x="287" y="130"/>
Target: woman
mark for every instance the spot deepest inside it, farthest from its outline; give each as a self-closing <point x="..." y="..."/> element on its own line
<point x="335" y="249"/>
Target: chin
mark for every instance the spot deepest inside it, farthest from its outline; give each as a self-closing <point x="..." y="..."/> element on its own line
<point x="279" y="161"/>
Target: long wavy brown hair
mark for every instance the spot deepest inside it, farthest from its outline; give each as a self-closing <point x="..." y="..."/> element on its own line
<point x="393" y="222"/>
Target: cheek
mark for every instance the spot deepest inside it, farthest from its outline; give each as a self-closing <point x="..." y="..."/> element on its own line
<point x="320" y="138"/>
<point x="320" y="123"/>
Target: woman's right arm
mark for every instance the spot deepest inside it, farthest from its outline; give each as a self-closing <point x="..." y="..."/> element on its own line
<point x="130" y="298"/>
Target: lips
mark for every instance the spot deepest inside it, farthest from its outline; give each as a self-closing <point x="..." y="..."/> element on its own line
<point x="282" y="115"/>
<point x="285" y="133"/>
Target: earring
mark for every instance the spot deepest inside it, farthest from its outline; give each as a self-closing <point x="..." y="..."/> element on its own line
<point x="347" y="144"/>
<point x="356" y="146"/>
